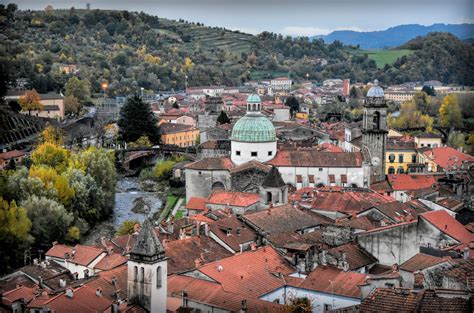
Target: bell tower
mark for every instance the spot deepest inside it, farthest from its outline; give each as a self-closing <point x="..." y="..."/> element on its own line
<point x="147" y="271"/>
<point x="374" y="132"/>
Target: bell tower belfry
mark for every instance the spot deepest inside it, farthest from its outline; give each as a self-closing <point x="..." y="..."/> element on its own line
<point x="374" y="132"/>
<point x="147" y="271"/>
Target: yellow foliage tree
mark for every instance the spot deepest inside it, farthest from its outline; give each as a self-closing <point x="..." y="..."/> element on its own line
<point x="411" y="117"/>
<point x="188" y="64"/>
<point x="142" y="142"/>
<point x="30" y="101"/>
<point x="51" y="179"/>
<point x="52" y="135"/>
<point x="450" y="112"/>
<point x="152" y="59"/>
<point x="51" y="155"/>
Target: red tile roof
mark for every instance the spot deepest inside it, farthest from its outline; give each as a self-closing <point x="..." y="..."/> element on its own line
<point x="216" y="295"/>
<point x="448" y="225"/>
<point x="361" y="222"/>
<point x="233" y="198"/>
<point x="197" y="204"/>
<point x="328" y="147"/>
<point x="251" y="273"/>
<point x="21" y="293"/>
<point x="80" y="254"/>
<point x="411" y="182"/>
<point x="313" y="158"/>
<point x="405" y="300"/>
<point x="356" y="256"/>
<point x="211" y="164"/>
<point x="421" y="261"/>
<point x="333" y="280"/>
<point x="84" y="300"/>
<point x="232" y="232"/>
<point x="11" y="154"/>
<point x="111" y="261"/>
<point x="448" y="158"/>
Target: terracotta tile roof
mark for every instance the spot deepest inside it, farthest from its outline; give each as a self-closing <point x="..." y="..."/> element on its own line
<point x="448" y="225"/>
<point x="232" y="232"/>
<point x="21" y="293"/>
<point x="39" y="301"/>
<point x="451" y="204"/>
<point x="399" y="212"/>
<point x="197" y="204"/>
<point x="428" y="135"/>
<point x="346" y="200"/>
<point x="172" y="128"/>
<point x="251" y="165"/>
<point x="395" y="145"/>
<point x="462" y="271"/>
<point x="186" y="254"/>
<point x="421" y="261"/>
<point x="295" y="241"/>
<point x="411" y="182"/>
<point x="313" y="158"/>
<point x="328" y="147"/>
<point x="112" y="283"/>
<point x="448" y="158"/>
<point x="356" y="256"/>
<point x="216" y="295"/>
<point x="11" y="154"/>
<point x="233" y="198"/>
<point x="80" y="254"/>
<point x="333" y="280"/>
<point x="361" y="222"/>
<point x="285" y="218"/>
<point x="404" y="300"/>
<point x="211" y="164"/>
<point x="111" y="261"/>
<point x="252" y="273"/>
<point x="84" y="300"/>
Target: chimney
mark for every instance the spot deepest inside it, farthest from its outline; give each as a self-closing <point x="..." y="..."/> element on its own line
<point x="62" y="283"/>
<point x="114" y="281"/>
<point x="184" y="296"/>
<point x="40" y="279"/>
<point x="465" y="253"/>
<point x="197" y="262"/>
<point x="243" y="306"/>
<point x="253" y="246"/>
<point x="395" y="268"/>
<point x="69" y="293"/>
<point x="98" y="292"/>
<point x="323" y="258"/>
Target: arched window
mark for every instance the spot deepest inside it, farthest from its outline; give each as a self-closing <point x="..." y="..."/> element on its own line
<point x="391" y="170"/>
<point x="376" y="120"/>
<point x="400" y="170"/>
<point x="413" y="158"/>
<point x="391" y="158"/>
<point x="269" y="197"/>
<point x="158" y="277"/>
<point x="400" y="158"/>
<point x="142" y="275"/>
<point x="353" y="185"/>
<point x="320" y="185"/>
<point x="218" y="185"/>
<point x="135" y="273"/>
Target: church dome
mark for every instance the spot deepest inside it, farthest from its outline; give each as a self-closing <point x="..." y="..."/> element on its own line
<point x="253" y="98"/>
<point x="375" y="91"/>
<point x="253" y="128"/>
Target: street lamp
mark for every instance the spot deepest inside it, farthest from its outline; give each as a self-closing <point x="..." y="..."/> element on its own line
<point x="307" y="76"/>
<point x="141" y="89"/>
<point x="104" y="86"/>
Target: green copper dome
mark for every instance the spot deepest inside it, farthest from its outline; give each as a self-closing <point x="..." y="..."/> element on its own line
<point x="253" y="98"/>
<point x="253" y="128"/>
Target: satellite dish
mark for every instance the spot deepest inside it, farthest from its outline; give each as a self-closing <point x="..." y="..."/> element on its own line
<point x="375" y="161"/>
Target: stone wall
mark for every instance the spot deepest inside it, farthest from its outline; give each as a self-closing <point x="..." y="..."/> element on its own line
<point x="199" y="182"/>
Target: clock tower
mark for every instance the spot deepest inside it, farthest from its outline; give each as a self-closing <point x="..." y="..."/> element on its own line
<point x="374" y="132"/>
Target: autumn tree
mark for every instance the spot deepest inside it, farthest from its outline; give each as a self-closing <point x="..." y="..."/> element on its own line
<point x="410" y="118"/>
<point x="14" y="234"/>
<point x="136" y="120"/>
<point x="50" y="220"/>
<point x="72" y="105"/>
<point x="31" y="101"/>
<point x="78" y="88"/>
<point x="127" y="227"/>
<point x="450" y="112"/>
<point x="52" y="135"/>
<point x="51" y="155"/>
<point x="142" y="142"/>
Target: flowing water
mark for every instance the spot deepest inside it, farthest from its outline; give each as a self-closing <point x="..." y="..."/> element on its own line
<point x="127" y="191"/>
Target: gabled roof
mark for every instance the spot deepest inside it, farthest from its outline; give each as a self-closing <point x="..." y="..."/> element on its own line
<point x="405" y="300"/>
<point x="196" y="203"/>
<point x="333" y="280"/>
<point x="80" y="254"/>
<point x="448" y="225"/>
<point x="233" y="198"/>
<point x="421" y="261"/>
<point x="284" y="218"/>
<point x="448" y="158"/>
<point x="111" y="261"/>
<point x="11" y="154"/>
<point x="411" y="182"/>
<point x="252" y="273"/>
<point x="84" y="300"/>
<point x="211" y="164"/>
<point x="399" y="212"/>
<point x="147" y="245"/>
<point x="356" y="256"/>
<point x="250" y="165"/>
<point x="173" y="128"/>
<point x="232" y="232"/>
<point x="21" y="293"/>
<point x="215" y="294"/>
<point x="312" y="158"/>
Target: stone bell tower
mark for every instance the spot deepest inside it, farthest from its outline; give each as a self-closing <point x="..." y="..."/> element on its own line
<point x="374" y="132"/>
<point x="147" y="271"/>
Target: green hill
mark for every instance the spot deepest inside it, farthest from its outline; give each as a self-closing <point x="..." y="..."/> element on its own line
<point x="383" y="57"/>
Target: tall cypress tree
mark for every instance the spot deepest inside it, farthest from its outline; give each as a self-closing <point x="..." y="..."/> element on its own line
<point x="136" y="120"/>
<point x="223" y="118"/>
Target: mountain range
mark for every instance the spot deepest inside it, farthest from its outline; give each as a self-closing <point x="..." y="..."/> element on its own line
<point x="396" y="36"/>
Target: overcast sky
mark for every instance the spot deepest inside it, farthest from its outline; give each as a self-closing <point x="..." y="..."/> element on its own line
<point x="289" y="17"/>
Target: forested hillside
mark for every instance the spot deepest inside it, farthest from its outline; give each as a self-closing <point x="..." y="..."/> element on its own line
<point x="132" y="50"/>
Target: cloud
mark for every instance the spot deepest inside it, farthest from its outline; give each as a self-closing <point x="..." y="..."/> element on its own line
<point x="312" y="31"/>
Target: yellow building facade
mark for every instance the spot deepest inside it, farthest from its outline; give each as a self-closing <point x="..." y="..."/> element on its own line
<point x="399" y="156"/>
<point x="179" y="135"/>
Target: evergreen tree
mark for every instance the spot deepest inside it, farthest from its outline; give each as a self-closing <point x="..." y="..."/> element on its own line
<point x="294" y="105"/>
<point x="137" y="120"/>
<point x="223" y="118"/>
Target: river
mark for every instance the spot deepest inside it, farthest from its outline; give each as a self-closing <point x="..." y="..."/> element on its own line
<point x="128" y="189"/>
